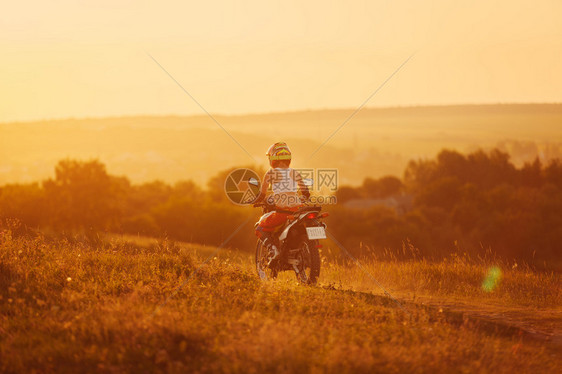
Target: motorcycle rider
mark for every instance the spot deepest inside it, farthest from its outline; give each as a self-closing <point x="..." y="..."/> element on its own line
<point x="285" y="184"/>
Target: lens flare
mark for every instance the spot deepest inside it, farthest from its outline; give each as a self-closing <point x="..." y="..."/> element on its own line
<point x="492" y="280"/>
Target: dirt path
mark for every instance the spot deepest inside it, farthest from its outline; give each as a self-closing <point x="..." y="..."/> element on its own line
<point x="538" y="324"/>
<point x="543" y="325"/>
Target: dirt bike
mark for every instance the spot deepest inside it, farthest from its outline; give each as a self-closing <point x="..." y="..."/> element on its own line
<point x="298" y="243"/>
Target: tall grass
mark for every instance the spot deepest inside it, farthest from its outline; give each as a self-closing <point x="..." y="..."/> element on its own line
<point x="458" y="276"/>
<point x="73" y="306"/>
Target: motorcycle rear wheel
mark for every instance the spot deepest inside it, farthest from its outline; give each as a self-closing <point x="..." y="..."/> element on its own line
<point x="308" y="258"/>
<point x="264" y="271"/>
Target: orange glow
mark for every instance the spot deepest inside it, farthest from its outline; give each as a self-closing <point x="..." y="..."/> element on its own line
<point x="83" y="59"/>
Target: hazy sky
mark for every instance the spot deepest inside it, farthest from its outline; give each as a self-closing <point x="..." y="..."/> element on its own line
<point x="89" y="58"/>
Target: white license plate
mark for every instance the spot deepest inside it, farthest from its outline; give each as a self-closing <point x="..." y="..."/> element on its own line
<point x="316" y="233"/>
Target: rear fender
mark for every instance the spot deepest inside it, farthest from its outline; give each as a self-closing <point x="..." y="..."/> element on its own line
<point x="285" y="232"/>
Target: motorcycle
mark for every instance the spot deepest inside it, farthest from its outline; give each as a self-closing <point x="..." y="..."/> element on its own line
<point x="298" y="243"/>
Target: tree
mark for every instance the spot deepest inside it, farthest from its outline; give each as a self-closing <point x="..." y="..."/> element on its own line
<point x="346" y="193"/>
<point x="82" y="195"/>
<point x="25" y="202"/>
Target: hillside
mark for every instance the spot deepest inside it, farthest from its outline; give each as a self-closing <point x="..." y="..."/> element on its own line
<point x="130" y="306"/>
<point x="375" y="142"/>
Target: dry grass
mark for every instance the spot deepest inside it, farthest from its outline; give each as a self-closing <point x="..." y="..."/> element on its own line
<point x="458" y="277"/>
<point x="69" y="306"/>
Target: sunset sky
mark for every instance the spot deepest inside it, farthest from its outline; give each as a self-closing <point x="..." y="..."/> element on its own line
<point x="90" y="58"/>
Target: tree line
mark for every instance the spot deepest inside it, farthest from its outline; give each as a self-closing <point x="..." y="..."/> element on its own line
<point x="83" y="198"/>
<point x="470" y="202"/>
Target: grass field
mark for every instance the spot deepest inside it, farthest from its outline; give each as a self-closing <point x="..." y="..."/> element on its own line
<point x="122" y="305"/>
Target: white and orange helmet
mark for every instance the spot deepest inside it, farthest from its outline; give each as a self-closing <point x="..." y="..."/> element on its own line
<point x="279" y="151"/>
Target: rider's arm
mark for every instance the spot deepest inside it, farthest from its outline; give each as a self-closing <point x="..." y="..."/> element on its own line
<point x="264" y="186"/>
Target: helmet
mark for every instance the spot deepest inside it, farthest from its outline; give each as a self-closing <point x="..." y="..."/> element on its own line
<point x="279" y="151"/>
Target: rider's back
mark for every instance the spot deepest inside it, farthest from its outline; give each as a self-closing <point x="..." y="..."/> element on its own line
<point x="285" y="187"/>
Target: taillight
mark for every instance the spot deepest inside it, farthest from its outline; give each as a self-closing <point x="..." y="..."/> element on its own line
<point x="325" y="214"/>
<point x="312" y="215"/>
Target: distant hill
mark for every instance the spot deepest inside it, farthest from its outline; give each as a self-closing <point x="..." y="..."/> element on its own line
<point x="374" y="143"/>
